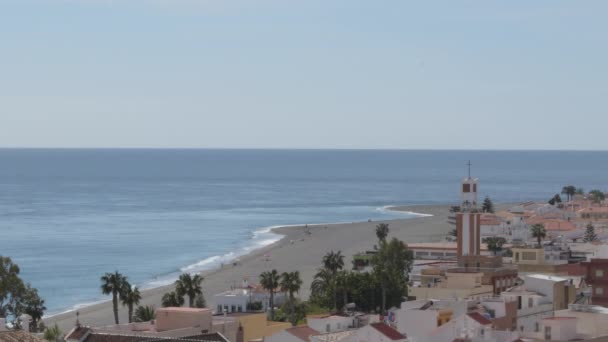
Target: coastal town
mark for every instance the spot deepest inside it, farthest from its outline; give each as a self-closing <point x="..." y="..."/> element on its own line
<point x="533" y="271"/>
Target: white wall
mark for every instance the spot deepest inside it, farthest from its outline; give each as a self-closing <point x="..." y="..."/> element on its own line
<point x="336" y="323"/>
<point x="369" y="334"/>
<point x="282" y="336"/>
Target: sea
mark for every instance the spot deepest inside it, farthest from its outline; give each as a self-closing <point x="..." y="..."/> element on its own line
<point x="67" y="216"/>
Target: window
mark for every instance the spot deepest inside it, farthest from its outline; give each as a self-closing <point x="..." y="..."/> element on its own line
<point x="483" y="331"/>
<point x="599" y="291"/>
<point x="466" y="187"/>
<point x="547" y="333"/>
<point x="528" y="256"/>
<point x="530" y="302"/>
<point x="599" y="273"/>
<point x="536" y="327"/>
<point x="327" y="327"/>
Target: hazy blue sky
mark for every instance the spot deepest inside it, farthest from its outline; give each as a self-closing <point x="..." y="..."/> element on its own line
<point x="304" y="74"/>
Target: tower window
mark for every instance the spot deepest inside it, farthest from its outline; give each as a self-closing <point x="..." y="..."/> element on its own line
<point x="466" y="187"/>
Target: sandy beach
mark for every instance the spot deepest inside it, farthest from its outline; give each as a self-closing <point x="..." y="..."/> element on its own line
<point x="296" y="251"/>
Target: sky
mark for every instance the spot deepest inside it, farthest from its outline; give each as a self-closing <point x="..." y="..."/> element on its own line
<point x="304" y="74"/>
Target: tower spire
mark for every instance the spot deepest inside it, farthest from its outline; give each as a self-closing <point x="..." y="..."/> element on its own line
<point x="469" y="165"/>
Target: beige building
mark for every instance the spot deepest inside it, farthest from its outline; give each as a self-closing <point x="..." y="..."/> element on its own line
<point x="172" y="322"/>
<point x="550" y="259"/>
<point x="454" y="285"/>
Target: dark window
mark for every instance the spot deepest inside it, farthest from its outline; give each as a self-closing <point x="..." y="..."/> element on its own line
<point x="466" y="187"/>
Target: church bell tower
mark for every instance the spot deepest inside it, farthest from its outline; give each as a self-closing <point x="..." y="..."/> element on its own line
<point x="468" y="218"/>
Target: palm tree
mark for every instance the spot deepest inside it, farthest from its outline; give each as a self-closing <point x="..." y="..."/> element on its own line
<point x="382" y="231"/>
<point x="190" y="286"/>
<point x="113" y="283"/>
<point x="130" y="296"/>
<point x="322" y="284"/>
<point x="145" y="313"/>
<point x="291" y="283"/>
<point x="172" y="299"/>
<point x="334" y="262"/>
<point x="495" y="243"/>
<point x="270" y="281"/>
<point x="569" y="191"/>
<point x="538" y="231"/>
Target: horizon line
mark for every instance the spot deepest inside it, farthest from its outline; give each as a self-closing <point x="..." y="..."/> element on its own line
<point x="310" y="149"/>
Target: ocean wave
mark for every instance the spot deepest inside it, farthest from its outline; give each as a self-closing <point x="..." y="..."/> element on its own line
<point x="391" y="209"/>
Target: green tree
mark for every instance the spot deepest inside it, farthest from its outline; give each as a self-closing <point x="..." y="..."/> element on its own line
<point x="580" y="191"/>
<point x="130" y="297"/>
<point x="172" y="299"/>
<point x="270" y="281"/>
<point x="590" y="235"/>
<point x="291" y="283"/>
<point x="11" y="287"/>
<point x="569" y="191"/>
<point x="391" y="265"/>
<point x="453" y="232"/>
<point x="53" y="334"/>
<point x="200" y="302"/>
<point x="487" y="206"/>
<point x="597" y="196"/>
<point x="343" y="284"/>
<point x="538" y="231"/>
<point x="382" y="231"/>
<point x="113" y="283"/>
<point x="145" y="313"/>
<point x="188" y="285"/>
<point x="555" y="200"/>
<point x="33" y="305"/>
<point x="495" y="243"/>
<point x="334" y="262"/>
<point x="322" y="287"/>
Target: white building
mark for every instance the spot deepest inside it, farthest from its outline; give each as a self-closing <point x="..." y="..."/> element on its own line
<point x="331" y="323"/>
<point x="237" y="300"/>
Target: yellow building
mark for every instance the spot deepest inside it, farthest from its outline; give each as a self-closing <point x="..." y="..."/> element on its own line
<point x="256" y="325"/>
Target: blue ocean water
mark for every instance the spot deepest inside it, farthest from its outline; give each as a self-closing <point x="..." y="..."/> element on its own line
<point x="68" y="216"/>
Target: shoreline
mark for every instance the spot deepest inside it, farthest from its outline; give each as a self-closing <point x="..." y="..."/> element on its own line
<point x="222" y="278"/>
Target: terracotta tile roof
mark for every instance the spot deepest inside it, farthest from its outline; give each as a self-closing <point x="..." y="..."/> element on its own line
<point x="479" y="318"/>
<point x="105" y="337"/>
<point x="388" y="331"/>
<point x="77" y="333"/>
<point x="18" y="336"/>
<point x="552" y="224"/>
<point x="303" y="332"/>
<point x="489" y="220"/>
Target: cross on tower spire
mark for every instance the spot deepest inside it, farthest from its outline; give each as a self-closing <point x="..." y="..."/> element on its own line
<point x="469" y="165"/>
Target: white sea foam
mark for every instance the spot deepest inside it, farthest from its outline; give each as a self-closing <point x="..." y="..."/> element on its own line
<point x="391" y="209"/>
<point x="259" y="238"/>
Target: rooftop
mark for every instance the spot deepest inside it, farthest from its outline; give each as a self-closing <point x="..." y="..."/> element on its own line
<point x="388" y="331"/>
<point x="479" y="318"/>
<point x="546" y="277"/>
<point x="182" y="309"/>
<point x="303" y="332"/>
